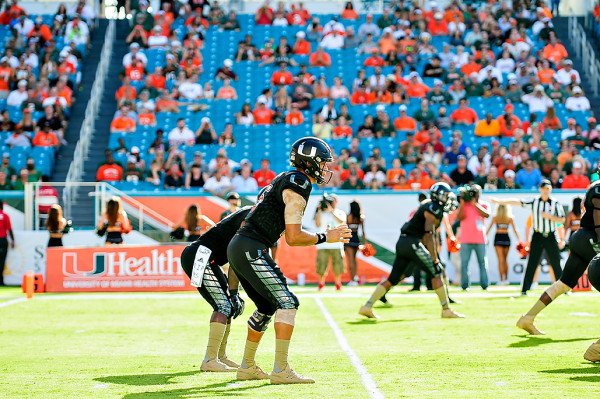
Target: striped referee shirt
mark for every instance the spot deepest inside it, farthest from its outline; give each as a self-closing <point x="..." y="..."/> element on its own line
<point x="538" y="206"/>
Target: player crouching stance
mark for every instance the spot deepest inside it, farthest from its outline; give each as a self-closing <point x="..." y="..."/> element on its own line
<point x="592" y="353"/>
<point x="202" y="261"/>
<point x="409" y="248"/>
<point x="279" y="209"/>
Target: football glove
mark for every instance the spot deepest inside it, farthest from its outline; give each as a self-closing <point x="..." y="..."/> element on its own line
<point x="237" y="303"/>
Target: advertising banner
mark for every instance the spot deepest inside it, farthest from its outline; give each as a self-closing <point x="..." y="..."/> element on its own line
<point x="106" y="269"/>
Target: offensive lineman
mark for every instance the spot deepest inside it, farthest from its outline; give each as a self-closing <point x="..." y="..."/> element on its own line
<point x="422" y="226"/>
<point x="202" y="261"/>
<point x="279" y="209"/>
<point x="583" y="245"/>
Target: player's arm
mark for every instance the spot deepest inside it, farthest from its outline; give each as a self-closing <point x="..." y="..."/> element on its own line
<point x="430" y="237"/>
<point x="295" y="235"/>
<point x="207" y="220"/>
<point x="448" y="227"/>
<point x="483" y="212"/>
<point x="596" y="203"/>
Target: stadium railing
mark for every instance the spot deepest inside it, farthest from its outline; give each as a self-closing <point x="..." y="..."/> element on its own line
<point x="584" y="50"/>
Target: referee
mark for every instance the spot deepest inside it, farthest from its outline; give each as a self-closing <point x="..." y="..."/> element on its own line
<point x="546" y="214"/>
<point x="5" y="230"/>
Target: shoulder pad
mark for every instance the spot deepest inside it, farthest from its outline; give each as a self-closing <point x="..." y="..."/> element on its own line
<point x="435" y="208"/>
<point x="594" y="189"/>
<point x="298" y="182"/>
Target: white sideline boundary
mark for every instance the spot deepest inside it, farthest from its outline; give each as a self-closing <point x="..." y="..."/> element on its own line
<point x="12" y="302"/>
<point x="362" y="371"/>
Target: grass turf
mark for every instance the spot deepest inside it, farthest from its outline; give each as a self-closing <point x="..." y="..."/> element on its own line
<point x="75" y="346"/>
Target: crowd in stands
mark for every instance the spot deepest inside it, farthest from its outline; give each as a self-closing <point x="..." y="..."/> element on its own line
<point x="482" y="93"/>
<point x="40" y="70"/>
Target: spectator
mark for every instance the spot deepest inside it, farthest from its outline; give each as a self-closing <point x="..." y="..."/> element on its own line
<point x="314" y="32"/>
<point x="226" y="138"/>
<point x="18" y="139"/>
<point x="231" y="23"/>
<point x="472" y="215"/>
<point x="394" y="174"/>
<point x="206" y="132"/>
<point x="322" y="128"/>
<point x="227" y="92"/>
<point x="157" y="39"/>
<point x="367" y="46"/>
<point x="350" y="39"/>
<point x="173" y="178"/>
<point x="109" y="171"/>
<point x="46" y="138"/>
<point x="368" y="28"/>
<point x="195" y="177"/>
<point x="554" y="51"/>
<point x="146" y="118"/>
<point x="528" y="177"/>
<point x="320" y="58"/>
<point x="404" y="122"/>
<point x="577" y="102"/>
<point x="353" y="182"/>
<point x="433" y="68"/>
<point x="453" y="152"/>
<point x="374" y="178"/>
<point x="132" y="173"/>
<point x="437" y="26"/>
<point x="487" y="127"/>
<point x="282" y="76"/>
<point x="77" y="31"/>
<point x="419" y="179"/>
<point x="5" y="183"/>
<point x="244" y="182"/>
<point x="567" y="75"/>
<point x="17" y="97"/>
<point x="225" y="72"/>
<point x="509" y="122"/>
<point x="569" y="131"/>
<point x="575" y="180"/>
<point x="537" y="101"/>
<point x="302" y="46"/>
<point x="551" y="121"/>
<point x="361" y="96"/>
<point x="374" y="60"/>
<point x="348" y="12"/>
<point x="219" y="184"/>
<point x="125" y="93"/>
<point x="464" y="115"/>
<point x="461" y="175"/>
<point x="190" y="89"/>
<point x="262" y="115"/>
<point x="245" y="116"/>
<point x="264" y="176"/>
<point x="264" y="15"/>
<point x="342" y="129"/>
<point x="353" y="167"/>
<point x="294" y="117"/>
<point x="509" y="180"/>
<point x="122" y="124"/>
<point x="416" y="88"/>
<point x="338" y="90"/>
<point x="181" y="134"/>
<point x="22" y="180"/>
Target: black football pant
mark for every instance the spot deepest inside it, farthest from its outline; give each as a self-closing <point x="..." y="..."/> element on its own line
<point x="582" y="252"/>
<point x="410" y="252"/>
<point x="260" y="276"/>
<point x="214" y="288"/>
<point x="3" y="253"/>
<point x="539" y="242"/>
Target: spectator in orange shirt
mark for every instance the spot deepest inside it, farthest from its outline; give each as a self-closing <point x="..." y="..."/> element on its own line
<point x="157" y="79"/>
<point x="146" y="118"/>
<point x="360" y="96"/>
<point x="282" y="76"/>
<point x="437" y="26"/>
<point x="545" y="73"/>
<point x="470" y="67"/>
<point x="348" y="12"/>
<point x="135" y="71"/>
<point x="319" y="58"/>
<point x="302" y="46"/>
<point x="46" y="137"/>
<point x="464" y="115"/>
<point x="551" y="121"/>
<point x="227" y="92"/>
<point x="109" y="171"/>
<point x="394" y="174"/>
<point x="508" y="122"/>
<point x="418" y="181"/>
<point x="387" y="43"/>
<point x="575" y="180"/>
<point x="404" y="122"/>
<point x="487" y="127"/>
<point x="126" y="92"/>
<point x="264" y="15"/>
<point x="122" y="124"/>
<point x="342" y="129"/>
<point x="424" y="136"/>
<point x="262" y="115"/>
<point x="416" y="89"/>
<point x="374" y="60"/>
<point x="294" y="117"/>
<point x="554" y="51"/>
<point x="5" y="77"/>
<point x="264" y="176"/>
<point x="352" y="168"/>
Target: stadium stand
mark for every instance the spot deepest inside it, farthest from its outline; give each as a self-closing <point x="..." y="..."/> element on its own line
<point x="201" y="69"/>
<point x="40" y="76"/>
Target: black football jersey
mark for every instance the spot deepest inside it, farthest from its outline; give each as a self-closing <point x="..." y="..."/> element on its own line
<point x="415" y="226"/>
<point x="217" y="237"/>
<point x="266" y="222"/>
<point x="593" y="191"/>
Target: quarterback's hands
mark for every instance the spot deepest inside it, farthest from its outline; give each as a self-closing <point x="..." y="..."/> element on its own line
<point x="237" y="304"/>
<point x="340" y="233"/>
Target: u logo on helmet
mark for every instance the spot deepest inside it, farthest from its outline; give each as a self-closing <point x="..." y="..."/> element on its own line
<point x="313" y="150"/>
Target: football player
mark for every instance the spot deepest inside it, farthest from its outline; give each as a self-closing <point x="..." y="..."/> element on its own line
<point x="417" y="244"/>
<point x="279" y="209"/>
<point x="583" y="246"/>
<point x="202" y="261"/>
<point x="592" y="353"/>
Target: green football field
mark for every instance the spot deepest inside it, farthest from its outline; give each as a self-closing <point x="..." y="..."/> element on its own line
<point x="151" y="345"/>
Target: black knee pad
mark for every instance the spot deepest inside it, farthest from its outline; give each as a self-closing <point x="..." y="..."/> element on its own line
<point x="259" y="322"/>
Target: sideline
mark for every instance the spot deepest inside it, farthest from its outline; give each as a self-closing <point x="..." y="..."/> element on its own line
<point x="362" y="371"/>
<point x="12" y="302"/>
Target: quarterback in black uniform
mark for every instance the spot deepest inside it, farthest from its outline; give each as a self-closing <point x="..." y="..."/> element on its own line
<point x="583" y="246"/>
<point x="202" y="261"/>
<point x="409" y="248"/>
<point x="279" y="209"/>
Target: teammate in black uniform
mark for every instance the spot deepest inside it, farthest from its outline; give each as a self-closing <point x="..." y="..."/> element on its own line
<point x="279" y="209"/>
<point x="202" y="261"/>
<point x="409" y="248"/>
<point x="583" y="245"/>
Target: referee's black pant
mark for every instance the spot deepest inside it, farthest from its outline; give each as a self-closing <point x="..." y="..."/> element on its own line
<point x="3" y="253"/>
<point x="539" y="242"/>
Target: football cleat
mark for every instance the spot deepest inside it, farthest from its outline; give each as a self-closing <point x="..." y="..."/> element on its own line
<point x="367" y="311"/>
<point x="216" y="366"/>
<point x="451" y="314"/>
<point x="592" y="354"/>
<point x="229" y="362"/>
<point x="289" y="376"/>
<point x="526" y="323"/>
<point x="251" y="373"/>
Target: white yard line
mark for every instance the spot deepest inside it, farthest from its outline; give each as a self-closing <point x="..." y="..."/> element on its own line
<point x="11" y="302"/>
<point x="362" y="371"/>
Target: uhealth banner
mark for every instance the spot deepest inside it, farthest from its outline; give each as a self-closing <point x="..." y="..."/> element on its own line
<point x="118" y="268"/>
